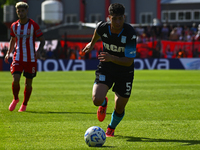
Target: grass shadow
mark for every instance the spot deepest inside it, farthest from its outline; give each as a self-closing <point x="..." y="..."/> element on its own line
<point x="143" y="139"/>
<point x="106" y="147"/>
<point x="54" y="112"/>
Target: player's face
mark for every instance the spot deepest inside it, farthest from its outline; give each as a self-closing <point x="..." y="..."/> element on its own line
<point x="22" y="13"/>
<point x="117" y="22"/>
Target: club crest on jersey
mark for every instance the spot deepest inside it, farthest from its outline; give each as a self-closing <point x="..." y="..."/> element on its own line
<point x="102" y="77"/>
<point x="123" y="39"/>
<point x="28" y="31"/>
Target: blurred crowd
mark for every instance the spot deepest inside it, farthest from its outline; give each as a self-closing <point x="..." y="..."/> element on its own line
<point x="168" y="32"/>
<point x="177" y="33"/>
<point x="69" y="53"/>
<point x="145" y="34"/>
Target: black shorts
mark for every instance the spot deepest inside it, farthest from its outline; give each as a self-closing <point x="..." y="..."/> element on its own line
<point x="122" y="81"/>
<point x="26" y="74"/>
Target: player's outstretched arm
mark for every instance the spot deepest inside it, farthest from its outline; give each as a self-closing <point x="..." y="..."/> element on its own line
<point x="90" y="45"/>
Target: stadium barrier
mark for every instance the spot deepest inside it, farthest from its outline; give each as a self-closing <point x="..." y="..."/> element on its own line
<point x="145" y="50"/>
<point x="82" y="65"/>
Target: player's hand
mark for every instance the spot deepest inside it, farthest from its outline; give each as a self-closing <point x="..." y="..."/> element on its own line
<point x="87" y="48"/>
<point x="37" y="54"/>
<point x="104" y="56"/>
<point x="6" y="58"/>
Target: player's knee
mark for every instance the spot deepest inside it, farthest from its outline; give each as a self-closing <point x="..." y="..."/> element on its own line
<point x="28" y="86"/>
<point x="16" y="82"/>
<point x="97" y="101"/>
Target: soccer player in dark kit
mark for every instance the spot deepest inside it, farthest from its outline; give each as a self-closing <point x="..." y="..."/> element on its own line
<point x="116" y="66"/>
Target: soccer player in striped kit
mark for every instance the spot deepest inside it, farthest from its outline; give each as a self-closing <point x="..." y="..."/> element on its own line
<point x="116" y="67"/>
<point x="23" y="35"/>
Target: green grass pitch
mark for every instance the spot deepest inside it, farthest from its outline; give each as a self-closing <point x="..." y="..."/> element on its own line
<point x="163" y="112"/>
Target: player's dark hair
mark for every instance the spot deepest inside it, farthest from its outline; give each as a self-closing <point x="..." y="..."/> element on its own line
<point x="116" y="9"/>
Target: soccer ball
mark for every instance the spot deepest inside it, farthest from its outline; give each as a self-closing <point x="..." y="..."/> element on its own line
<point x="95" y="136"/>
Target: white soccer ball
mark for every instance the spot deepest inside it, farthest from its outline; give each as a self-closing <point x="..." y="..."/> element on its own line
<point x="95" y="136"/>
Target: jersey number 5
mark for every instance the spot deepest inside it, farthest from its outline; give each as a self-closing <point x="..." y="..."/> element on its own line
<point x="128" y="86"/>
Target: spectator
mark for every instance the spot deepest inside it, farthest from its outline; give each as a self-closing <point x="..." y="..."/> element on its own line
<point x="170" y="29"/>
<point x="71" y="54"/>
<point x="49" y="54"/>
<point x="156" y="53"/>
<point x="149" y="32"/>
<point x="62" y="53"/>
<point x="185" y="30"/>
<point x="143" y="38"/>
<point x="197" y="36"/>
<point x="174" y="36"/>
<point x="157" y="32"/>
<point x="140" y="30"/>
<point x="169" y="53"/>
<point x="195" y="53"/>
<point x="76" y="48"/>
<point x="43" y="55"/>
<point x="193" y="29"/>
<point x="181" y="54"/>
<point x="164" y="32"/>
<point x="94" y="53"/>
<point x="179" y="29"/>
<point x="188" y="37"/>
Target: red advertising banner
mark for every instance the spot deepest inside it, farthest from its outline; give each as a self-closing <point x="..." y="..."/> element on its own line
<point x="81" y="45"/>
<point x="190" y="49"/>
<point x="145" y="49"/>
<point x="166" y="49"/>
<point x="169" y="49"/>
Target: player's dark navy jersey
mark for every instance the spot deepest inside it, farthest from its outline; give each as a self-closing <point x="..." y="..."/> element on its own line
<point x="121" y="45"/>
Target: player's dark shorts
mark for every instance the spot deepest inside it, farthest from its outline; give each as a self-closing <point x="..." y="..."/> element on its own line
<point x="29" y="69"/>
<point x="121" y="82"/>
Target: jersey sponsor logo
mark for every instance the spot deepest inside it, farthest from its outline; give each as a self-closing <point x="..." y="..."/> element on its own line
<point x="22" y="36"/>
<point x="113" y="47"/>
<point x="105" y="35"/>
<point x="123" y="39"/>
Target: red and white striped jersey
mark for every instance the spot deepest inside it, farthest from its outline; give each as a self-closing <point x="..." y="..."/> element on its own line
<point x="25" y="40"/>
